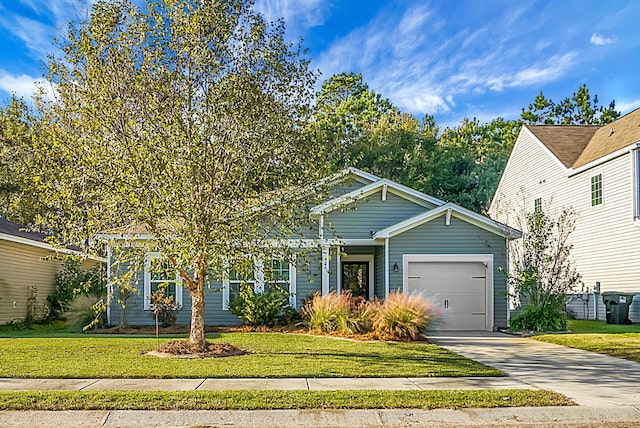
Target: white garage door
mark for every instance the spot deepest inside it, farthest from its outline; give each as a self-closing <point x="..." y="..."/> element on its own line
<point x="458" y="288"/>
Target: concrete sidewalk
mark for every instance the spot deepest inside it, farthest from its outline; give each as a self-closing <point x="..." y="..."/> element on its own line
<point x="503" y="417"/>
<point x="308" y="384"/>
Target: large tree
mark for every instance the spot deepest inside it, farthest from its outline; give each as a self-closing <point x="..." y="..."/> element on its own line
<point x="185" y="118"/>
<point x="579" y="109"/>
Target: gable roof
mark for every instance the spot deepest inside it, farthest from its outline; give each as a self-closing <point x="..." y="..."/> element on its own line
<point x="578" y="145"/>
<point x="611" y="138"/>
<point x="565" y="142"/>
<point x="19" y="234"/>
<point x="371" y="188"/>
<point x="455" y="211"/>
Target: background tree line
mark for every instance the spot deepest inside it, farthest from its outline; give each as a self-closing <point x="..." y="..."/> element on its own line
<point x="462" y="164"/>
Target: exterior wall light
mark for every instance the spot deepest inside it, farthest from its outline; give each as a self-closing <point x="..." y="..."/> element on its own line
<point x="395" y="267"/>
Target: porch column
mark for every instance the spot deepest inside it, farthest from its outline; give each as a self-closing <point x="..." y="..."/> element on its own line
<point x="325" y="269"/>
<point x="109" y="286"/>
<point x="386" y="268"/>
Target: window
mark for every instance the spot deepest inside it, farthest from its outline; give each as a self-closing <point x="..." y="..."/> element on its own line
<point x="277" y="273"/>
<point x="160" y="275"/>
<point x="262" y="277"/>
<point x="636" y="184"/>
<point x="537" y="205"/>
<point x="237" y="278"/>
<point x="596" y="190"/>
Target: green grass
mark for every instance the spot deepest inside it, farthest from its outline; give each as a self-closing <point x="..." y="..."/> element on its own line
<point x="583" y="326"/>
<point x="621" y="341"/>
<point x="271" y="355"/>
<point x="254" y="400"/>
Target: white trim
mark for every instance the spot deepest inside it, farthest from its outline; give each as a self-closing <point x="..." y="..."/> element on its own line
<point x="293" y="286"/>
<point x="386" y="267"/>
<point x="43" y="245"/>
<point x="109" y="285"/>
<point x="361" y="258"/>
<point x="339" y="277"/>
<point x="457" y="212"/>
<point x="325" y="270"/>
<point x="487" y="259"/>
<point x="603" y="159"/>
<point x="147" y="281"/>
<point x="635" y="177"/>
<point x="259" y="281"/>
<point x="355" y="195"/>
<point x="384" y="193"/>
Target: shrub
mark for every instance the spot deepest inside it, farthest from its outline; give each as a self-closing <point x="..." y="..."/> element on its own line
<point x="333" y="313"/>
<point x="403" y="317"/>
<point x="257" y="309"/>
<point x="165" y="308"/>
<point x="73" y="281"/>
<point x="82" y="315"/>
<point x="538" y="318"/>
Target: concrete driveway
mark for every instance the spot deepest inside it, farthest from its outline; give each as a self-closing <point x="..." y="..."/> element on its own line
<point x="587" y="378"/>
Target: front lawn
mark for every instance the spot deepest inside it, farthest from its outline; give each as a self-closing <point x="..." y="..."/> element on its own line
<point x="621" y="341"/>
<point x="271" y="355"/>
<point x="254" y="400"/>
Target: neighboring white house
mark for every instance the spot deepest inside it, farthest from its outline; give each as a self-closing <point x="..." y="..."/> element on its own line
<point x="596" y="171"/>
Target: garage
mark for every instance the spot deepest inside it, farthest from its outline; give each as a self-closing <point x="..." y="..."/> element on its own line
<point x="458" y="284"/>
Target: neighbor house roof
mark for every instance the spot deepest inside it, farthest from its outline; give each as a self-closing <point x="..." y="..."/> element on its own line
<point x="612" y="137"/>
<point x="20" y="234"/>
<point x="566" y="142"/>
<point x="578" y="145"/>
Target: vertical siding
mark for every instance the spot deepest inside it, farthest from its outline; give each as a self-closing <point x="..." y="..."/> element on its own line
<point x="606" y="240"/>
<point x="435" y="237"/>
<point x="21" y="268"/>
<point x="369" y="214"/>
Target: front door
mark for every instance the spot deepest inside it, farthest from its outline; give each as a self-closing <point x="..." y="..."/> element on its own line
<point x="355" y="278"/>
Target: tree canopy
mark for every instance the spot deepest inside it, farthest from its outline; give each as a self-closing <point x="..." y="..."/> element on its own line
<point x="185" y="118"/>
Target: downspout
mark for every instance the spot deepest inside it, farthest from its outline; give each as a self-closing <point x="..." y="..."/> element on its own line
<point x="386" y="267"/>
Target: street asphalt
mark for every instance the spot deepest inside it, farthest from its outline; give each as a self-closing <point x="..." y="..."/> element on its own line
<point x="605" y="389"/>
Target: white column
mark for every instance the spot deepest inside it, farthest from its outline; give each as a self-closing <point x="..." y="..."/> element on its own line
<point x="109" y="286"/>
<point x="338" y="273"/>
<point x="325" y="270"/>
<point x="386" y="268"/>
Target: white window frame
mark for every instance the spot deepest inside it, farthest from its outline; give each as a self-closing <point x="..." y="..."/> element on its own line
<point x="537" y="205"/>
<point x="636" y="184"/>
<point x="258" y="284"/>
<point x="147" y="281"/>
<point x="601" y="190"/>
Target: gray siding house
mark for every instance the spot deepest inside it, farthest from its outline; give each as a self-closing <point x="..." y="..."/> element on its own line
<point x="373" y="237"/>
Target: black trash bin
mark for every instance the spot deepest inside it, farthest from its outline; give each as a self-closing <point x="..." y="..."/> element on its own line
<point x="617" y="305"/>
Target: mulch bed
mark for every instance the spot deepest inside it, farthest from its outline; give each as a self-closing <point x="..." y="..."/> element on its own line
<point x="185" y="349"/>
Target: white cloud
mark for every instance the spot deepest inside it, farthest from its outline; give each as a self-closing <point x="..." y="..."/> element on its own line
<point x="625" y="106"/>
<point x="23" y="86"/>
<point x="299" y="15"/>
<point x="599" y="40"/>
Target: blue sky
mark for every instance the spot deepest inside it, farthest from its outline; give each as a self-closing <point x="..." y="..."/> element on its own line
<point x="449" y="58"/>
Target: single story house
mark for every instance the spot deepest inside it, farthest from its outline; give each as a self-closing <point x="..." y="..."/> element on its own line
<point x="372" y="237"/>
<point x="28" y="269"/>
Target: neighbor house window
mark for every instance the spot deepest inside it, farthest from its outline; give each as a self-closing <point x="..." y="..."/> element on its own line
<point x="537" y="205"/>
<point x="596" y="190"/>
<point x="261" y="276"/>
<point x="636" y="184"/>
<point x="160" y="276"/>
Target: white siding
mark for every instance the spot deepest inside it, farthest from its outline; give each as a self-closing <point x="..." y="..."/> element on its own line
<point x="606" y="240"/>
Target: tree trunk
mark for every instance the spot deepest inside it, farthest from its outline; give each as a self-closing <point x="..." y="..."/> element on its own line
<point x="196" y="335"/>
